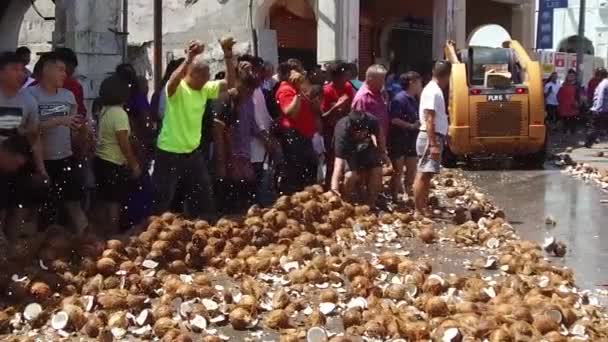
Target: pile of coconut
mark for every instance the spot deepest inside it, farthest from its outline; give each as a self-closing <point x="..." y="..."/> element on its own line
<point x="588" y="173"/>
<point x="290" y="272"/>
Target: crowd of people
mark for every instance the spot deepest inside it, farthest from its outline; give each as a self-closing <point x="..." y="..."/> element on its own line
<point x="568" y="103"/>
<point x="207" y="147"/>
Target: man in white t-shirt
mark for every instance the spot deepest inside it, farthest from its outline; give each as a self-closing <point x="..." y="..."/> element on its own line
<point x="433" y="132"/>
<point x="551" y="103"/>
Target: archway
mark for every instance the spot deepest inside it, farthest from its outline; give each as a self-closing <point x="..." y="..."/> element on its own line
<point x="296" y="27"/>
<point x="570" y="45"/>
<point x="11" y="19"/>
<point x="490" y="35"/>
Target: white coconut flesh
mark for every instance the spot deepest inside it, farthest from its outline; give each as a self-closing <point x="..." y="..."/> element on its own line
<point x="142" y="318"/>
<point x="199" y="322"/>
<point x="210" y="305"/>
<point x="450" y="335"/>
<point x="411" y="290"/>
<point x="493" y="243"/>
<point x="88" y="302"/>
<point x="316" y="334"/>
<point x="32" y="311"/>
<point x="149" y="264"/>
<point x="118" y="332"/>
<point x="60" y="320"/>
<point x="327" y="308"/>
<point x="357" y="302"/>
<point x="555" y="315"/>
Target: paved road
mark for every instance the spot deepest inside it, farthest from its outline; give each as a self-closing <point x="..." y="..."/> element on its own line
<point x="528" y="197"/>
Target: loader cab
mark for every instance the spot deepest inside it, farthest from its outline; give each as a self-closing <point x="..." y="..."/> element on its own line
<point x="480" y="59"/>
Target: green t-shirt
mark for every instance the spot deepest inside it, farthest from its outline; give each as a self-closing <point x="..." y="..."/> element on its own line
<point x="111" y="120"/>
<point x="183" y="120"/>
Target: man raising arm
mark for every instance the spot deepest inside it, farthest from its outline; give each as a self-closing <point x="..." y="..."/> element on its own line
<point x="179" y="156"/>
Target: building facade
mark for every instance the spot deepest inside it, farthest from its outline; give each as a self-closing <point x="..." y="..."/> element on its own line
<point x="402" y="34"/>
<point x="565" y="28"/>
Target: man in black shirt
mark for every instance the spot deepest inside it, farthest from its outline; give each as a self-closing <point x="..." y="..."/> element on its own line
<point x="357" y="154"/>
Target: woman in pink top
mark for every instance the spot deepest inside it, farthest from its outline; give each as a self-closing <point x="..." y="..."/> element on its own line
<point x="567" y="108"/>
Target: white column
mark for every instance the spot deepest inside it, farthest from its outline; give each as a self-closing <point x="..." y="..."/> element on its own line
<point x="460" y="23"/>
<point x="440" y="25"/>
<point x="337" y="30"/>
<point x="84" y="26"/>
<point x="327" y="27"/>
<point x="523" y="24"/>
<point x="351" y="12"/>
<point x="440" y="8"/>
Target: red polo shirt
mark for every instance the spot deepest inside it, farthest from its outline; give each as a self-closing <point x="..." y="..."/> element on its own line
<point x="331" y="95"/>
<point x="76" y="89"/>
<point x="304" y="121"/>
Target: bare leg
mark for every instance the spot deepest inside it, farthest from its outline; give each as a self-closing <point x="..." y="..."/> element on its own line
<point x="20" y="222"/>
<point x="3" y="239"/>
<point x="78" y="219"/>
<point x="374" y="185"/>
<point x="113" y="210"/>
<point x="3" y="225"/>
<point x="421" y="192"/>
<point x="397" y="188"/>
<point x="351" y="181"/>
<point x="411" y="167"/>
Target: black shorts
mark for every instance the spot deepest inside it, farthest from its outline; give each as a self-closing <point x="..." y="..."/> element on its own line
<point x="67" y="179"/>
<point x="364" y="160"/>
<point x="17" y="190"/>
<point x="112" y="182"/>
<point x="402" y="147"/>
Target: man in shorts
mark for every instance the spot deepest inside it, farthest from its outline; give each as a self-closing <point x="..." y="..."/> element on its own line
<point x="432" y="136"/>
<point x="59" y="120"/>
<point x="18" y="139"/>
<point x="356" y="148"/>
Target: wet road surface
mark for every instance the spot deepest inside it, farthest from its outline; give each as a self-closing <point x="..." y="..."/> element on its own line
<point x="529" y="196"/>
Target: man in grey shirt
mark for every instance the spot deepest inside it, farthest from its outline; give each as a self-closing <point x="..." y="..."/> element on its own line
<point x="600" y="112"/>
<point x="18" y="139"/>
<point x="57" y="111"/>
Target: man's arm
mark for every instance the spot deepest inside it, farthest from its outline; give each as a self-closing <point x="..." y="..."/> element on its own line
<point x="227" y="45"/>
<point x="36" y="143"/>
<point x="341" y="104"/>
<point x="336" y="177"/>
<point x="219" y="148"/>
<point x="434" y="147"/>
<point x="194" y="49"/>
<point x="294" y="107"/>
<point x="403" y="124"/>
<point x="124" y="143"/>
<point x="291" y="102"/>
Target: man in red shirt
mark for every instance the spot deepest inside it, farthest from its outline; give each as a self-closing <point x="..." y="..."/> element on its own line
<point x="296" y="127"/>
<point x="71" y="62"/>
<point x="337" y="99"/>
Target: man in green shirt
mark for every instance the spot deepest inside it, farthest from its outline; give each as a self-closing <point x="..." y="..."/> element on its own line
<point x="179" y="159"/>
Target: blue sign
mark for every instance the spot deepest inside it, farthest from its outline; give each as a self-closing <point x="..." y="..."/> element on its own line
<point x="544" y="32"/>
<point x="553" y="3"/>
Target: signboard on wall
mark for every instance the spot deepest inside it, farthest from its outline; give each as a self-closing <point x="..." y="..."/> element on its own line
<point x="546" y="59"/>
<point x="560" y="60"/>
<point x="544" y="33"/>
<point x="572" y="61"/>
